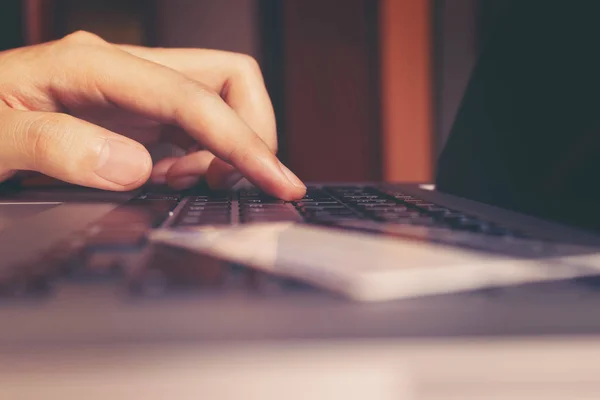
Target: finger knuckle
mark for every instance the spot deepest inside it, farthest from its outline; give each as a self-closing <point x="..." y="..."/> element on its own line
<point x="69" y="53"/>
<point x="248" y="64"/>
<point x="82" y="37"/>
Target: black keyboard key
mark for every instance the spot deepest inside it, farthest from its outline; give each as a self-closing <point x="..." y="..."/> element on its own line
<point x="425" y="221"/>
<point x="206" y="206"/>
<point x="194" y="213"/>
<point x="455" y="217"/>
<point x="272" y="218"/>
<point x="159" y="196"/>
<point x="380" y="204"/>
<point x="205" y="222"/>
<point x="211" y="202"/>
<point x="251" y="213"/>
<point x="412" y="201"/>
<point x="208" y="198"/>
<point x="210" y="209"/>
<point x="360" y="197"/>
<point x="332" y="219"/>
<point x="317" y="203"/>
<point x="223" y="219"/>
<point x="423" y="205"/>
<point x="436" y="210"/>
<point x="324" y="216"/>
<point x="270" y="215"/>
<point x="399" y="214"/>
<point x="317" y="198"/>
<point x="206" y="210"/>
<point x="331" y="207"/>
<point x="470" y="225"/>
<point x="343" y="211"/>
<point x="188" y="221"/>
<point x="392" y="208"/>
<point x="257" y="206"/>
<point x="372" y="201"/>
<point x="402" y="196"/>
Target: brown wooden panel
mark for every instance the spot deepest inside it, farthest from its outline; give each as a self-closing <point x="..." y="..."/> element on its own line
<point x="331" y="89"/>
<point x="38" y="20"/>
<point x="125" y="21"/>
<point x="407" y="104"/>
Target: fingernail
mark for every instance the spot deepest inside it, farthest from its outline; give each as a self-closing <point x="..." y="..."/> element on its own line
<point x="232" y="179"/>
<point x="184" y="182"/>
<point x="122" y="163"/>
<point x="294" y="180"/>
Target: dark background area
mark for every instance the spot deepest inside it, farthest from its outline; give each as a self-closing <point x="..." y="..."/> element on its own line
<point x="11" y="24"/>
<point x="321" y="60"/>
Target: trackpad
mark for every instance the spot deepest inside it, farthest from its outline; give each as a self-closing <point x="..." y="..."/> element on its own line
<point x="11" y="213"/>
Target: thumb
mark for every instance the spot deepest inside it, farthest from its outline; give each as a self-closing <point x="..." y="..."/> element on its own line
<point x="72" y="150"/>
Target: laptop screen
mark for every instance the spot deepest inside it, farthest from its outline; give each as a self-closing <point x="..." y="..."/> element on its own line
<point x="527" y="134"/>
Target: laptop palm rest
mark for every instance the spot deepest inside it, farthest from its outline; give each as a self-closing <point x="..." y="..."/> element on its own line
<point x="11" y="213"/>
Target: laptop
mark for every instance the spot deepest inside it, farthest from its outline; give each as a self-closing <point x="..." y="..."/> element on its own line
<point x="91" y="307"/>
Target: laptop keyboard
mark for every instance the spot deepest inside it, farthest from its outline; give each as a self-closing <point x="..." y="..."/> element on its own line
<point x="103" y="251"/>
<point x="329" y="205"/>
<point x="206" y="210"/>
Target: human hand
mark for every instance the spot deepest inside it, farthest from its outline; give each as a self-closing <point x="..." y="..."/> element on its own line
<point x="78" y="109"/>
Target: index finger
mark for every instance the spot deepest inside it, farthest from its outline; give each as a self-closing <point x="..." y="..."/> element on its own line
<point x="102" y="73"/>
<point x="236" y="77"/>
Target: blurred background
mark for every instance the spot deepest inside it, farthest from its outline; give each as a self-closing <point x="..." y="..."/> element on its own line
<point x="363" y="89"/>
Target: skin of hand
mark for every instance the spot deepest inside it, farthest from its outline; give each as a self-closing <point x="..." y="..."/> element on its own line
<point x="81" y="110"/>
